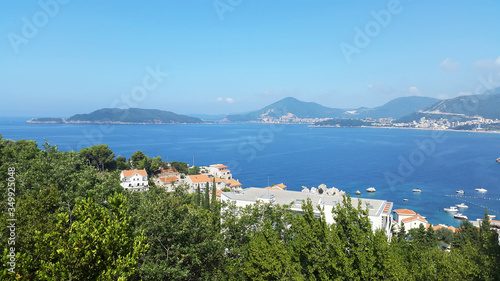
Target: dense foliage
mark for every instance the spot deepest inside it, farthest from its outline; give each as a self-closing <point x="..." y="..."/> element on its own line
<point x="343" y="123"/>
<point x="75" y="222"/>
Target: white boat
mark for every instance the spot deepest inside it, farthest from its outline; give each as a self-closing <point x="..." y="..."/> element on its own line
<point x="405" y="199"/>
<point x="492" y="216"/>
<point x="482" y="190"/>
<point x="460" y="216"/>
<point x="371" y="189"/>
<point x="358" y="192"/>
<point x="417" y="190"/>
<point x="451" y="209"/>
<point x="460" y="191"/>
<point x="462" y="205"/>
<point x="498" y="160"/>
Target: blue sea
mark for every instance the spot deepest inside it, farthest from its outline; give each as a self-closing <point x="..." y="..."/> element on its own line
<point x="394" y="161"/>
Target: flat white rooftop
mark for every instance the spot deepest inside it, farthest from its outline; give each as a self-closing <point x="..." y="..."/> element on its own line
<point x="296" y="198"/>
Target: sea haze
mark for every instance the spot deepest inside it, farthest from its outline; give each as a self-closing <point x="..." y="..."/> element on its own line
<point x="348" y="158"/>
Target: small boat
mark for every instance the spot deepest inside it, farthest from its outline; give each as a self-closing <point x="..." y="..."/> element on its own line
<point x="462" y="205"/>
<point x="405" y="199"/>
<point x="482" y="190"/>
<point x="451" y="209"/>
<point x="492" y="216"/>
<point x="417" y="190"/>
<point x="460" y="191"/>
<point x="498" y="160"/>
<point x="460" y="217"/>
<point x="371" y="189"/>
<point x="358" y="192"/>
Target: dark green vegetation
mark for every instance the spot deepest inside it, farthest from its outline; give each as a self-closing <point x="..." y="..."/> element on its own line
<point x="46" y="120"/>
<point x="343" y="123"/>
<point x="131" y="115"/>
<point x="74" y="222"/>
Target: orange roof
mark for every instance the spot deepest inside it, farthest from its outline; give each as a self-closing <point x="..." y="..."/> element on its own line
<point x="416" y="217"/>
<point x="216" y="179"/>
<point x="220" y="166"/>
<point x="129" y="173"/>
<point x="225" y="170"/>
<point x="405" y="212"/>
<point x="199" y="178"/>
<point x="273" y="187"/>
<point x="281" y="185"/>
<point x="169" y="179"/>
<point x="386" y="208"/>
<point x="218" y="193"/>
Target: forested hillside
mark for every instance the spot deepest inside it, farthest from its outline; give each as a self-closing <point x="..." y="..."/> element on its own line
<point x="75" y="222"/>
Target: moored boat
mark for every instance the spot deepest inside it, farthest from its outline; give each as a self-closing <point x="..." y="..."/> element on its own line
<point x="451" y="209"/>
<point x="482" y="190"/>
<point x="371" y="189"/>
<point x="460" y="191"/>
<point x="417" y="190"/>
<point x="460" y="217"/>
<point x="462" y="205"/>
<point x="498" y="160"/>
<point x="358" y="192"/>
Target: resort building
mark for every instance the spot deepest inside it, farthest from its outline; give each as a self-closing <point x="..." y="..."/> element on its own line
<point x="195" y="181"/>
<point x="379" y="211"/>
<point x="134" y="180"/>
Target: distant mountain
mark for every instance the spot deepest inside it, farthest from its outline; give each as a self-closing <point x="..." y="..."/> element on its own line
<point x="291" y="105"/>
<point x="395" y="108"/>
<point x="209" y="117"/>
<point x="125" y="116"/>
<point x="461" y="108"/>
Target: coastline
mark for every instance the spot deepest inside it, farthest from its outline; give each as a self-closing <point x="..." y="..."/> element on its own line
<point x="406" y="128"/>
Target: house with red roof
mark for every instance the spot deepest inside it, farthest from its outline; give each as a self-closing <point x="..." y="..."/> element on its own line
<point x="409" y="219"/>
<point x="134" y="180"/>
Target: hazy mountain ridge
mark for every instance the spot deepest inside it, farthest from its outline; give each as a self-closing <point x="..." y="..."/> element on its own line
<point x="460" y="108"/>
<point x="393" y="109"/>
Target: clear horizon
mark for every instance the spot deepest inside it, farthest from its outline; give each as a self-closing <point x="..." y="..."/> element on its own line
<point x="221" y="57"/>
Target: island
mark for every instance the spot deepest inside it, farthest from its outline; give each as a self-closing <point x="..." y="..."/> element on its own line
<point x="122" y="116"/>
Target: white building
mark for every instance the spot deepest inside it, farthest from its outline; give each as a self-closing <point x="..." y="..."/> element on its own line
<point x="379" y="211"/>
<point x="410" y="219"/>
<point x="195" y="181"/>
<point x="134" y="180"/>
<point x="220" y="171"/>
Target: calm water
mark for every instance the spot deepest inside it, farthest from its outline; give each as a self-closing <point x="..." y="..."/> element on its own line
<point x="348" y="158"/>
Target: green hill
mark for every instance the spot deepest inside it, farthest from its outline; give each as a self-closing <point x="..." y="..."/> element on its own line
<point x="461" y="108"/>
<point x="133" y="115"/>
<point x="299" y="108"/>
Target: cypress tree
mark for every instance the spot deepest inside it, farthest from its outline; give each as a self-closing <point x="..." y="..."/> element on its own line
<point x="214" y="195"/>
<point x="206" y="199"/>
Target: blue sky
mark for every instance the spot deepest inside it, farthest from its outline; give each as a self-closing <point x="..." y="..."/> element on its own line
<point x="228" y="56"/>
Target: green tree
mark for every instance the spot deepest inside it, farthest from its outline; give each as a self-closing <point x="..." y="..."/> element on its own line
<point x="91" y="243"/>
<point x="137" y="159"/>
<point x="99" y="156"/>
<point x="206" y="198"/>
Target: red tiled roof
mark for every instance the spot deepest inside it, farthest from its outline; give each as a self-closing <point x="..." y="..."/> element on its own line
<point x="220" y="166"/>
<point x="169" y="179"/>
<point x="416" y="217"/>
<point x="404" y="212"/>
<point x="273" y="187"/>
<point x="129" y="173"/>
<point x="281" y="185"/>
<point x="218" y="193"/>
<point x="199" y="178"/>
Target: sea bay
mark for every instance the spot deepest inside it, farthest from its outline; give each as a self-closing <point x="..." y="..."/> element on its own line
<point x="348" y="158"/>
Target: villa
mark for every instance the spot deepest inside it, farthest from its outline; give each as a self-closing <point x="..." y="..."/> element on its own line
<point x="409" y="219"/>
<point x="134" y="180"/>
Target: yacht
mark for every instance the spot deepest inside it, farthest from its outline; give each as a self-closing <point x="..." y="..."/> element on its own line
<point x="460" y="216"/>
<point x="371" y="189"/>
<point x="451" y="209"/>
<point x="498" y="160"/>
<point x="462" y="205"/>
<point x="358" y="192"/>
<point x="405" y="199"/>
<point x="482" y="190"/>
<point x="417" y="190"/>
<point x="460" y="191"/>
